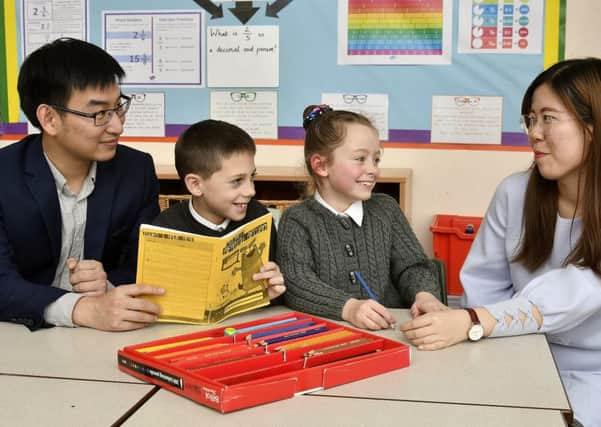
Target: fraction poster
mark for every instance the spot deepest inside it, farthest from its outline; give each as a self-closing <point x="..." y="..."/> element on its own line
<point x="500" y="26"/>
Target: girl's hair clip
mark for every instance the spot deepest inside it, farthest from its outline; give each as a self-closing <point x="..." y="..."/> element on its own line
<point x="316" y="113"/>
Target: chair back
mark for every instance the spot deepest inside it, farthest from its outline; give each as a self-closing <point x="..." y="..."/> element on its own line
<point x="442" y="279"/>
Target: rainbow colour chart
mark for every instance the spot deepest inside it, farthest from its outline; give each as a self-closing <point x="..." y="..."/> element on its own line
<point x="393" y="30"/>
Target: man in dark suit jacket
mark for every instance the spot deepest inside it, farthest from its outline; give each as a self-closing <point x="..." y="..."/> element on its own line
<point x="72" y="199"/>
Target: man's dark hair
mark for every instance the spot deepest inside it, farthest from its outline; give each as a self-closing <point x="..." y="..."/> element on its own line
<point x="51" y="73"/>
<point x="201" y="148"/>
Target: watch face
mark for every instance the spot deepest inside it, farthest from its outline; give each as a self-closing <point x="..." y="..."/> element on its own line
<point x="475" y="333"/>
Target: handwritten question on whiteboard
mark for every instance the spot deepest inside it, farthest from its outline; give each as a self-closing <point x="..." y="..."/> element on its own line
<point x="243" y="56"/>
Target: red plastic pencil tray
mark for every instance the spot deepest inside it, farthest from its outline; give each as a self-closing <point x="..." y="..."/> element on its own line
<point x="228" y="373"/>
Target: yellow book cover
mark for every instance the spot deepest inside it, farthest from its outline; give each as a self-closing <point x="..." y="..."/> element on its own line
<point x="206" y="279"/>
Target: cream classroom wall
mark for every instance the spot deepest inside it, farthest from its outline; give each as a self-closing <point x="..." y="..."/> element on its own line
<point x="459" y="182"/>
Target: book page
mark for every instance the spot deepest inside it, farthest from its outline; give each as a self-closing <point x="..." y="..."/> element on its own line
<point x="206" y="279"/>
<point x="180" y="263"/>
<point x="243" y="254"/>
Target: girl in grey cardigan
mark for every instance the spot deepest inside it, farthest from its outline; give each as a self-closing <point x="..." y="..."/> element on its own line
<point x="347" y="253"/>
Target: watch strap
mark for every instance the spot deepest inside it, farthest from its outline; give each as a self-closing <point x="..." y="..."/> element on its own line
<point x="473" y="316"/>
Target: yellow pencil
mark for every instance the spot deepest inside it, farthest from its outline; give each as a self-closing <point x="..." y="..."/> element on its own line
<point x="170" y="345"/>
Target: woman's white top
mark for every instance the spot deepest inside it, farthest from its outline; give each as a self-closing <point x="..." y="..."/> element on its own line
<point x="568" y="297"/>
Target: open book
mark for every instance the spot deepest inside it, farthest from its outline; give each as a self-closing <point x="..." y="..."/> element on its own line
<point x="206" y="279"/>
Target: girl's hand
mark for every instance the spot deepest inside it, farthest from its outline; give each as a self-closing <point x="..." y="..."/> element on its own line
<point x="424" y="303"/>
<point x="367" y="314"/>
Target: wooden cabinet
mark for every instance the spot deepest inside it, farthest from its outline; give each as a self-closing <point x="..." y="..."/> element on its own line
<point x="286" y="183"/>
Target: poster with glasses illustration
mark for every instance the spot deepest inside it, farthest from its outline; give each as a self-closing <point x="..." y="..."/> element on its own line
<point x="372" y="105"/>
<point x="467" y="119"/>
<point x="252" y="110"/>
<point x="146" y="115"/>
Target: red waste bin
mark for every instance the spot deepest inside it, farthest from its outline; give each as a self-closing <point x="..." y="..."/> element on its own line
<point x="453" y="236"/>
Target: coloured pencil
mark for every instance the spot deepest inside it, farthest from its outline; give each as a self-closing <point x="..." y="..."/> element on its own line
<point x="171" y="345"/>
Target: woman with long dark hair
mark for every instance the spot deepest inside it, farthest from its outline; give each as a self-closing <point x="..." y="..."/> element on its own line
<point x="535" y="265"/>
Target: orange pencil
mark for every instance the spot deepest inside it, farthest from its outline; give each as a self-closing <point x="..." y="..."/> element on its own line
<point x="190" y="350"/>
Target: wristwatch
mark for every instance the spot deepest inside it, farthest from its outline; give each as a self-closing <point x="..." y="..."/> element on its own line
<point x="476" y="331"/>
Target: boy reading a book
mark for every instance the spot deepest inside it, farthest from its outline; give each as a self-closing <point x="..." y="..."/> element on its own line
<point x="215" y="160"/>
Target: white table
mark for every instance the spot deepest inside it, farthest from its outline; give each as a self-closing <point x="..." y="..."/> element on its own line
<point x="492" y="382"/>
<point x="517" y="371"/>
<point x="83" y="353"/>
<point x="166" y="408"/>
<point x="34" y="401"/>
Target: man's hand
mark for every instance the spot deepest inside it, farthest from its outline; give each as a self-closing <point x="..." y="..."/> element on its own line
<point x="367" y="314"/>
<point x="118" y="309"/>
<point x="275" y="280"/>
<point x="87" y="276"/>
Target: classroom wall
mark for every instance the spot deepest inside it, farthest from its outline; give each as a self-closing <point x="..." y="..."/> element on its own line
<point x="582" y="28"/>
<point x="458" y="182"/>
<point x="454" y="181"/>
<point x="449" y="181"/>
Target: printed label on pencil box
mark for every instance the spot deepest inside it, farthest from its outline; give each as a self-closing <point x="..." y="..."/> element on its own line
<point x="152" y="372"/>
<point x="210" y="395"/>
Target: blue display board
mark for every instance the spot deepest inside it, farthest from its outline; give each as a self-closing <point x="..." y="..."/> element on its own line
<point x="308" y="37"/>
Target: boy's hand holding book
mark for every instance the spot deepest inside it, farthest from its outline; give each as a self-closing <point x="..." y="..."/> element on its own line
<point x="271" y="273"/>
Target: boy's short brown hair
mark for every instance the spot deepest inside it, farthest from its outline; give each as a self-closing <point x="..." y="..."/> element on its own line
<point x="201" y="148"/>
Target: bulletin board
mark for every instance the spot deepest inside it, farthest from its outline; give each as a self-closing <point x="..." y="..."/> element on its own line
<point x="308" y="66"/>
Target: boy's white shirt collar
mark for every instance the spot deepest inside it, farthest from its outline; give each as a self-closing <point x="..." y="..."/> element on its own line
<point x="354" y="211"/>
<point x="206" y="222"/>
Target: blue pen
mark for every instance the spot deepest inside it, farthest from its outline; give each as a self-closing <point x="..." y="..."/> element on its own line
<point x="364" y="285"/>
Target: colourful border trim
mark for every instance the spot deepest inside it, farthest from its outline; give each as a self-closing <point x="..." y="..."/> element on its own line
<point x="418" y="138"/>
<point x="552" y="32"/>
<point x="11" y="59"/>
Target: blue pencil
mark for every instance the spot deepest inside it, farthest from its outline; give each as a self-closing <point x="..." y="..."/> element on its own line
<point x="232" y="331"/>
<point x="295" y="335"/>
<point x="364" y="285"/>
<point x="280" y="330"/>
